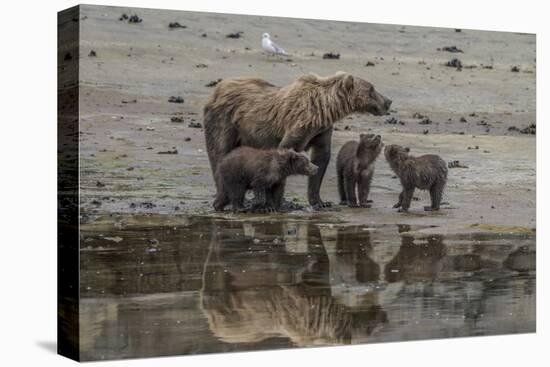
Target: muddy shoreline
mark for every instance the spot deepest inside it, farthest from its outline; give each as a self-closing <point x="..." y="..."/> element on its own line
<point x="475" y="112"/>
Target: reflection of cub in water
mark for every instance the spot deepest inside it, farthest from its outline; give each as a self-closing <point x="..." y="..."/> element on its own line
<point x="254" y="289"/>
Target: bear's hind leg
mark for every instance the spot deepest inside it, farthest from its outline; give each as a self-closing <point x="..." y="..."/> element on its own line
<point x="407" y="197"/>
<point x="436" y="193"/>
<point x="400" y="201"/>
<point x="341" y="190"/>
<point x="237" y="198"/>
<point x="221" y="201"/>
<point x="277" y="195"/>
<point x="320" y="156"/>
<point x="364" y="189"/>
<point x="349" y="186"/>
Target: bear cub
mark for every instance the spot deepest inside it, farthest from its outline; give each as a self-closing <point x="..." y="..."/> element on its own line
<point x="427" y="172"/>
<point x="355" y="168"/>
<point x="264" y="171"/>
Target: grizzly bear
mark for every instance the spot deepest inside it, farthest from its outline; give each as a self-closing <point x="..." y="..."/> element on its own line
<point x="263" y="171"/>
<point x="355" y="167"/>
<point x="427" y="172"/>
<point x="252" y="112"/>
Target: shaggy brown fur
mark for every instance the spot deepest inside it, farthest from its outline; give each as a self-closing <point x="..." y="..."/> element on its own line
<point x="427" y="172"/>
<point x="260" y="170"/>
<point x="252" y="112"/>
<point x="355" y="167"/>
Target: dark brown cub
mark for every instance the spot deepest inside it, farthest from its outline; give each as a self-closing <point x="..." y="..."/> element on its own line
<point x="264" y="171"/>
<point x="355" y="168"/>
<point x="427" y="172"/>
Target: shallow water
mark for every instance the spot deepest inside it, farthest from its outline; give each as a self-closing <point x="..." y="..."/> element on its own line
<point x="218" y="285"/>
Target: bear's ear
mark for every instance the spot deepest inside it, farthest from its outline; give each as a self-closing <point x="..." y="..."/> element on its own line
<point x="347" y="82"/>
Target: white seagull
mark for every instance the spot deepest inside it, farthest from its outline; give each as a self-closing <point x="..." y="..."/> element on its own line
<point x="271" y="47"/>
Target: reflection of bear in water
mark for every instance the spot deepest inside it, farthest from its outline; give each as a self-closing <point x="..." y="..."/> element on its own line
<point x="250" y="294"/>
<point x="263" y="171"/>
<point x="355" y="167"/>
<point x="416" y="261"/>
<point x="353" y="247"/>
<point x="427" y="172"/>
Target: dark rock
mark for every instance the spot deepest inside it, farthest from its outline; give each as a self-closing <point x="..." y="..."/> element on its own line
<point x="187" y="138"/>
<point x="452" y="49"/>
<point x="393" y="121"/>
<point x="195" y="125"/>
<point x="173" y="151"/>
<point x="458" y="30"/>
<point x="174" y="99"/>
<point x="418" y="115"/>
<point x="426" y="121"/>
<point x="456" y="164"/>
<point x="92" y="54"/>
<point x="369" y="63"/>
<point x="531" y="129"/>
<point x="176" y="119"/>
<point x="135" y="19"/>
<point x="100" y="184"/>
<point x="129" y="101"/>
<point x="201" y="66"/>
<point x="454" y="63"/>
<point x="235" y="35"/>
<point x="124" y="16"/>
<point x="175" y="25"/>
<point x="514" y="69"/>
<point x="68" y="56"/>
<point x="213" y="83"/>
<point x="331" y="56"/>
<point x="463" y="119"/>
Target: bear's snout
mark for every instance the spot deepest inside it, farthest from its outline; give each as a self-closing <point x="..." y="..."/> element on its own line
<point x="312" y="169"/>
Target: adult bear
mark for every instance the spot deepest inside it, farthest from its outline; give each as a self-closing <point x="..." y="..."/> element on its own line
<point x="253" y="112"/>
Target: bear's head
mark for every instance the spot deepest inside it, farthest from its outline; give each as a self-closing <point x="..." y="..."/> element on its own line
<point x="396" y="152"/>
<point x="295" y="163"/>
<point x="363" y="97"/>
<point x="370" y="146"/>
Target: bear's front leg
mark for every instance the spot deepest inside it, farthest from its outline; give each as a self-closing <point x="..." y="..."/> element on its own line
<point x="320" y="156"/>
<point x="364" y="183"/>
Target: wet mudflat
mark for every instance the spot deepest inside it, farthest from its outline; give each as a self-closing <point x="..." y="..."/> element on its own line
<point x="153" y="285"/>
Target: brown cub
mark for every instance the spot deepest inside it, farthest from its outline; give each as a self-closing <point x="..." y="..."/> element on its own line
<point x="427" y="172"/>
<point x="355" y="167"/>
<point x="263" y="171"/>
